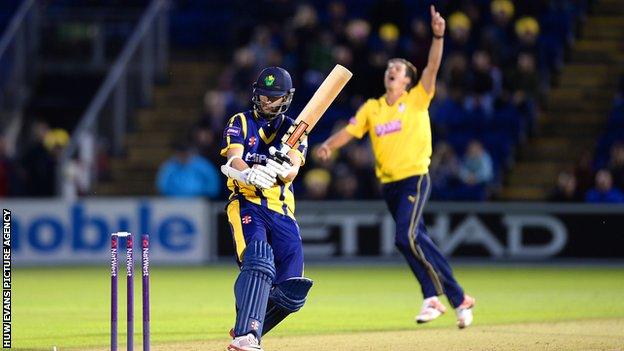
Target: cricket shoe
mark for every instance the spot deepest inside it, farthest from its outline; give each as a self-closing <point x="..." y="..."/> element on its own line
<point x="431" y="309"/>
<point x="464" y="312"/>
<point x="245" y="343"/>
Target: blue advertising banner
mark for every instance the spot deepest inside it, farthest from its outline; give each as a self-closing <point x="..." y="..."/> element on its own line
<point x="57" y="232"/>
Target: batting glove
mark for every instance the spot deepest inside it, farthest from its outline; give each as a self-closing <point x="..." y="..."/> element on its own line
<point x="282" y="169"/>
<point x="260" y="176"/>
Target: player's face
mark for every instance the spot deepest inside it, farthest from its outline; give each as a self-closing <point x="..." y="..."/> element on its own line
<point x="395" y="77"/>
<point x="271" y="104"/>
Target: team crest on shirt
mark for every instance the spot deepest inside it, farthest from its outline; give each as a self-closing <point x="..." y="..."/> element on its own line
<point x="246" y="219"/>
<point x="252" y="141"/>
<point x="401" y="107"/>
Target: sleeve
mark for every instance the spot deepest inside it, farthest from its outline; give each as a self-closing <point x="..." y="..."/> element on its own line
<point x="302" y="150"/>
<point x="421" y="98"/>
<point x="358" y="124"/>
<point x="485" y="173"/>
<point x="234" y="134"/>
<point x="210" y="177"/>
<point x="163" y="179"/>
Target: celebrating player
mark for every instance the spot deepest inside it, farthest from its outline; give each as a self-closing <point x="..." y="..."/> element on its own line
<point x="400" y="132"/>
<point x="270" y="285"/>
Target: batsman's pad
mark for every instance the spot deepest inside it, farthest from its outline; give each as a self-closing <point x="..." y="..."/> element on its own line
<point x="286" y="298"/>
<point x="252" y="288"/>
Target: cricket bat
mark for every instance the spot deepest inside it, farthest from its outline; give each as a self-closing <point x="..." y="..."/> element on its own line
<point x="313" y="111"/>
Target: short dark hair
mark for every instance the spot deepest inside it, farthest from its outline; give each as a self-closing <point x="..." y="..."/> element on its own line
<point x="410" y="70"/>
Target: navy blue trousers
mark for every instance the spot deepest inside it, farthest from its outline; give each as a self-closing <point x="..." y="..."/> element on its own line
<point x="250" y="222"/>
<point x="406" y="200"/>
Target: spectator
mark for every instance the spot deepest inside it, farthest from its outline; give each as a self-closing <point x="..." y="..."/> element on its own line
<point x="456" y="72"/>
<point x="204" y="142"/>
<point x="316" y="182"/>
<point x="475" y="172"/>
<point x="417" y="47"/>
<point x="320" y="57"/>
<point x="486" y="83"/>
<point x="616" y="165"/>
<point x="565" y="190"/>
<point x="261" y="46"/>
<point x="498" y="35"/>
<point x="583" y="172"/>
<point x="38" y="164"/>
<point x="444" y="171"/>
<point x="523" y="83"/>
<point x="103" y="160"/>
<point x="459" y="35"/>
<point x="361" y="165"/>
<point x="187" y="175"/>
<point x="388" y="11"/>
<point x="6" y="169"/>
<point x="389" y="36"/>
<point x="604" y="192"/>
<point x="75" y="179"/>
<point x="345" y="184"/>
<point x="357" y="34"/>
<point x="527" y="32"/>
<point x="242" y="71"/>
<point x="337" y="17"/>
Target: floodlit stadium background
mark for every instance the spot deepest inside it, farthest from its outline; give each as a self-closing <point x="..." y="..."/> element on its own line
<point x="527" y="167"/>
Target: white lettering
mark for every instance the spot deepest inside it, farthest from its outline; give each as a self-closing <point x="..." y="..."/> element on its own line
<point x="255" y="158"/>
<point x="515" y="224"/>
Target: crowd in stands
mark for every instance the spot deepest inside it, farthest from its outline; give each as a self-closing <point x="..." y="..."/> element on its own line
<point x="500" y="58"/>
<point x="598" y="178"/>
<point x="33" y="174"/>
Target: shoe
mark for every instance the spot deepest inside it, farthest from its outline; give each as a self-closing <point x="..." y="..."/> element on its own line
<point x="244" y="343"/>
<point x="431" y="309"/>
<point x="464" y="312"/>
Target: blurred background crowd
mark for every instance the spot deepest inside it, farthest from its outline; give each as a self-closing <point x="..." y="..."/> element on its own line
<point x="502" y="58"/>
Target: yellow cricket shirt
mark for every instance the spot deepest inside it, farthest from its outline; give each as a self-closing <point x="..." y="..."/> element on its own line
<point x="400" y="133"/>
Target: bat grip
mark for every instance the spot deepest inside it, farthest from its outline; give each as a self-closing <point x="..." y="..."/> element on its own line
<point x="279" y="155"/>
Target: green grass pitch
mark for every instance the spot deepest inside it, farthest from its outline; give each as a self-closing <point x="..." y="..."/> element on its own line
<point x="192" y="308"/>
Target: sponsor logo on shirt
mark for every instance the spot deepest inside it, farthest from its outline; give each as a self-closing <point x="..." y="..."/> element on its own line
<point x="388" y="128"/>
<point x="232" y="131"/>
<point x="255" y="158"/>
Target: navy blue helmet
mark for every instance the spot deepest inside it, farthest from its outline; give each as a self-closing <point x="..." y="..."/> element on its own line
<point x="273" y="82"/>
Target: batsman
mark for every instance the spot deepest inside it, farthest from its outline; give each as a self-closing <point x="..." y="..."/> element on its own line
<point x="260" y="211"/>
<point x="400" y="133"/>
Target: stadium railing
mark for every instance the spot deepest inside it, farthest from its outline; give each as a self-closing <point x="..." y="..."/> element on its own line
<point x="128" y="84"/>
<point x="18" y="45"/>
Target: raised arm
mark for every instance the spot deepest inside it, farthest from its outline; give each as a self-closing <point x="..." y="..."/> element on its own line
<point x="334" y="142"/>
<point x="430" y="72"/>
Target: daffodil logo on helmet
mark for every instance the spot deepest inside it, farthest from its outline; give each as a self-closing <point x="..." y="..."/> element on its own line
<point x="269" y="80"/>
<point x="275" y="85"/>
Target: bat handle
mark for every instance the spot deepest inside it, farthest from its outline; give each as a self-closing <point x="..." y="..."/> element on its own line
<point x="280" y="155"/>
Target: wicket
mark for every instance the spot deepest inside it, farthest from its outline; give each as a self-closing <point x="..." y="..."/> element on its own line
<point x="130" y="288"/>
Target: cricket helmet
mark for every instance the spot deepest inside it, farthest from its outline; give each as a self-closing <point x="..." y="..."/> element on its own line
<point x="273" y="82"/>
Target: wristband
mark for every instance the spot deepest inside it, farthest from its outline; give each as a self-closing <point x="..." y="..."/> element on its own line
<point x="438" y="36"/>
